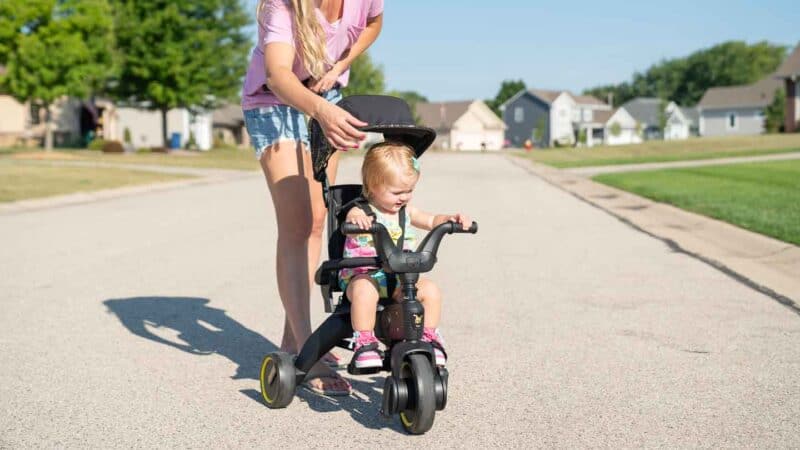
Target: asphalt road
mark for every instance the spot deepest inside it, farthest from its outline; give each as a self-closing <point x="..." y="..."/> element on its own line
<point x="141" y="321"/>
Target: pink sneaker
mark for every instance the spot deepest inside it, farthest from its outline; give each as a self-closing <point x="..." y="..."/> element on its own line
<point x="365" y="350"/>
<point x="432" y="335"/>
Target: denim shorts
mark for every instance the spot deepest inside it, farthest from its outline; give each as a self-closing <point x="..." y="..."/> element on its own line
<point x="270" y="124"/>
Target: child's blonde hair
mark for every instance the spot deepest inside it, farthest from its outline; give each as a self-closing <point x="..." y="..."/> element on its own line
<point x="308" y="35"/>
<point x="387" y="162"/>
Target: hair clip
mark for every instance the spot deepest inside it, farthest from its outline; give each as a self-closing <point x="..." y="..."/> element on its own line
<point x="415" y="163"/>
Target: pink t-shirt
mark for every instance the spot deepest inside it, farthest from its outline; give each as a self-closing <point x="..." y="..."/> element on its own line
<point x="276" y="25"/>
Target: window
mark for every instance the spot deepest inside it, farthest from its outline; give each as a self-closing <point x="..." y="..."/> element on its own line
<point x="519" y="114"/>
<point x="36" y="114"/>
<point x="732" y="121"/>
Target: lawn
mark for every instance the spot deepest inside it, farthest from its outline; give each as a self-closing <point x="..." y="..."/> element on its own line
<point x="19" y="181"/>
<point x="663" y="151"/>
<point x="761" y="197"/>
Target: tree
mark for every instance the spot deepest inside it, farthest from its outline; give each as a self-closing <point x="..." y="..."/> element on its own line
<point x="508" y="88"/>
<point x="53" y="49"/>
<point x="774" y="114"/>
<point x="365" y="77"/>
<point x="685" y="80"/>
<point x="180" y="54"/>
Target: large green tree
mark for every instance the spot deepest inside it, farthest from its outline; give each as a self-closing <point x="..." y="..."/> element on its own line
<point x="508" y="88"/>
<point x="185" y="54"/>
<point x="366" y="77"/>
<point x="684" y="80"/>
<point x="55" y="48"/>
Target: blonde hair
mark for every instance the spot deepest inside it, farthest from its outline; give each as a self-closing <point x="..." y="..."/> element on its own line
<point x="387" y="162"/>
<point x="308" y="35"/>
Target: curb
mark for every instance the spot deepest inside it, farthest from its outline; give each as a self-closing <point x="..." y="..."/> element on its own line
<point x="767" y="265"/>
<point x="202" y="177"/>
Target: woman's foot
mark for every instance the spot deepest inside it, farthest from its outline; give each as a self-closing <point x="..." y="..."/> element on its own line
<point x="331" y="360"/>
<point x="432" y="335"/>
<point x="365" y="350"/>
<point x="322" y="380"/>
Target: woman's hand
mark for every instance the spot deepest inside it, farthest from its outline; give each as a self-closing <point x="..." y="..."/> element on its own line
<point x="327" y="81"/>
<point x="339" y="125"/>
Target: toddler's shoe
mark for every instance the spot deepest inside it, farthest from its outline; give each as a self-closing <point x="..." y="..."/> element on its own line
<point x="432" y="335"/>
<point x="365" y="350"/>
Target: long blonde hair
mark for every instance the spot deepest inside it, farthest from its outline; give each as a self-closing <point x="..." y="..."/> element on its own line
<point x="308" y="35"/>
<point x="387" y="162"/>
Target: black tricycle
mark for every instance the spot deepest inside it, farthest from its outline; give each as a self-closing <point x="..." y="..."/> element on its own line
<point x="416" y="387"/>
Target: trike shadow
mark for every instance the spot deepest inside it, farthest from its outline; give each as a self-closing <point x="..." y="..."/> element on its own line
<point x="203" y="330"/>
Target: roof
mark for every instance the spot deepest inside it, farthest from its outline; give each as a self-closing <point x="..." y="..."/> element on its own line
<point x="790" y="66"/>
<point x="691" y="114"/>
<point x="545" y="95"/>
<point x="602" y="116"/>
<point x="229" y="115"/>
<point x="645" y="110"/>
<point x="588" y="100"/>
<point x="756" y="95"/>
<point x="441" y="115"/>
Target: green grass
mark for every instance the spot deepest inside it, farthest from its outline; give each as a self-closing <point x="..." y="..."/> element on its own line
<point x="20" y="181"/>
<point x="665" y="151"/>
<point x="761" y="197"/>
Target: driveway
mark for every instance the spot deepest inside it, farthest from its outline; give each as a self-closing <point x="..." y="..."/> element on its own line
<point x="141" y="321"/>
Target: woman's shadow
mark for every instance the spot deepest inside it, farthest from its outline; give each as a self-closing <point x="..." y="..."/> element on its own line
<point x="204" y="330"/>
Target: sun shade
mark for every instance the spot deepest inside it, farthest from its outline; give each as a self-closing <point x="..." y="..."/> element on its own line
<point x="390" y="116"/>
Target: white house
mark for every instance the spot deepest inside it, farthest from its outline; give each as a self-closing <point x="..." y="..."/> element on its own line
<point x="466" y="125"/>
<point x="145" y="127"/>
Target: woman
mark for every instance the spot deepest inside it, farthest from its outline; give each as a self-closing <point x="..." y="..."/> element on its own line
<point x="302" y="59"/>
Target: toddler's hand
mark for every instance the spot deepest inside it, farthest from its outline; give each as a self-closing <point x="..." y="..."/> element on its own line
<point x="465" y="221"/>
<point x="363" y="221"/>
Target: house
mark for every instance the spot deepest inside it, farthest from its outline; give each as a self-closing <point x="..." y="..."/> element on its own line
<point x="227" y="124"/>
<point x="465" y="125"/>
<point x="145" y="130"/>
<point x="789" y="73"/>
<point x="549" y="118"/>
<point x="650" y="112"/>
<point x="681" y="122"/>
<point x="737" y="110"/>
<point x="609" y="127"/>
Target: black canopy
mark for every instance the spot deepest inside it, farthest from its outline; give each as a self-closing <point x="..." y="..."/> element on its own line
<point x="390" y="116"/>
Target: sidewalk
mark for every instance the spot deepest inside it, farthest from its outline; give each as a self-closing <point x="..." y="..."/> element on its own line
<point x="765" y="264"/>
<point x="597" y="170"/>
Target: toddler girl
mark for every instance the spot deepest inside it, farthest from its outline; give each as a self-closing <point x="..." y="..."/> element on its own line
<point x="389" y="172"/>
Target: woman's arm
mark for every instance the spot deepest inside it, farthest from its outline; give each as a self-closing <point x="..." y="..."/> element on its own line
<point x="367" y="37"/>
<point x="338" y="124"/>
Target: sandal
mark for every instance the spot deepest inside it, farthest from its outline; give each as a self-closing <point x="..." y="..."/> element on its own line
<point x="322" y="390"/>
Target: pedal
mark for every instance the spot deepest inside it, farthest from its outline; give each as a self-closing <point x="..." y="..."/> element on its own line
<point x="353" y="370"/>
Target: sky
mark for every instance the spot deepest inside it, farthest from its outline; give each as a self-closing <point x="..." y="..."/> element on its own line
<point x="458" y="50"/>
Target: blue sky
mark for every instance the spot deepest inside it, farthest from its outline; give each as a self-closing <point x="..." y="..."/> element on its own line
<point x="456" y="50"/>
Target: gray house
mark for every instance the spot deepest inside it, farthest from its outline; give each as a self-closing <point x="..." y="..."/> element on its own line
<point x="737" y="110"/>
<point x="789" y="73"/>
<point x="548" y="117"/>
<point x="649" y="112"/>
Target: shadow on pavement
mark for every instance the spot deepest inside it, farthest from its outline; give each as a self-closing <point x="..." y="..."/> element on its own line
<point x="203" y="330"/>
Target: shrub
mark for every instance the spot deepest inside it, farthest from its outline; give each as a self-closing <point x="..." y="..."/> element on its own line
<point x="113" y="147"/>
<point x="96" y="144"/>
<point x="126" y="135"/>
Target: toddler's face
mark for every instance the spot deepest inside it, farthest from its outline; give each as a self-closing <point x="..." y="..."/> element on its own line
<point x="390" y="197"/>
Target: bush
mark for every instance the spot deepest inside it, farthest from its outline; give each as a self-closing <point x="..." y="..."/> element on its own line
<point x="96" y="144"/>
<point x="127" y="135"/>
<point x="113" y="147"/>
<point x="159" y="149"/>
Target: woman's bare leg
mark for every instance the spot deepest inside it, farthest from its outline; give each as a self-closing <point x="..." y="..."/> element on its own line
<point x="286" y="167"/>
